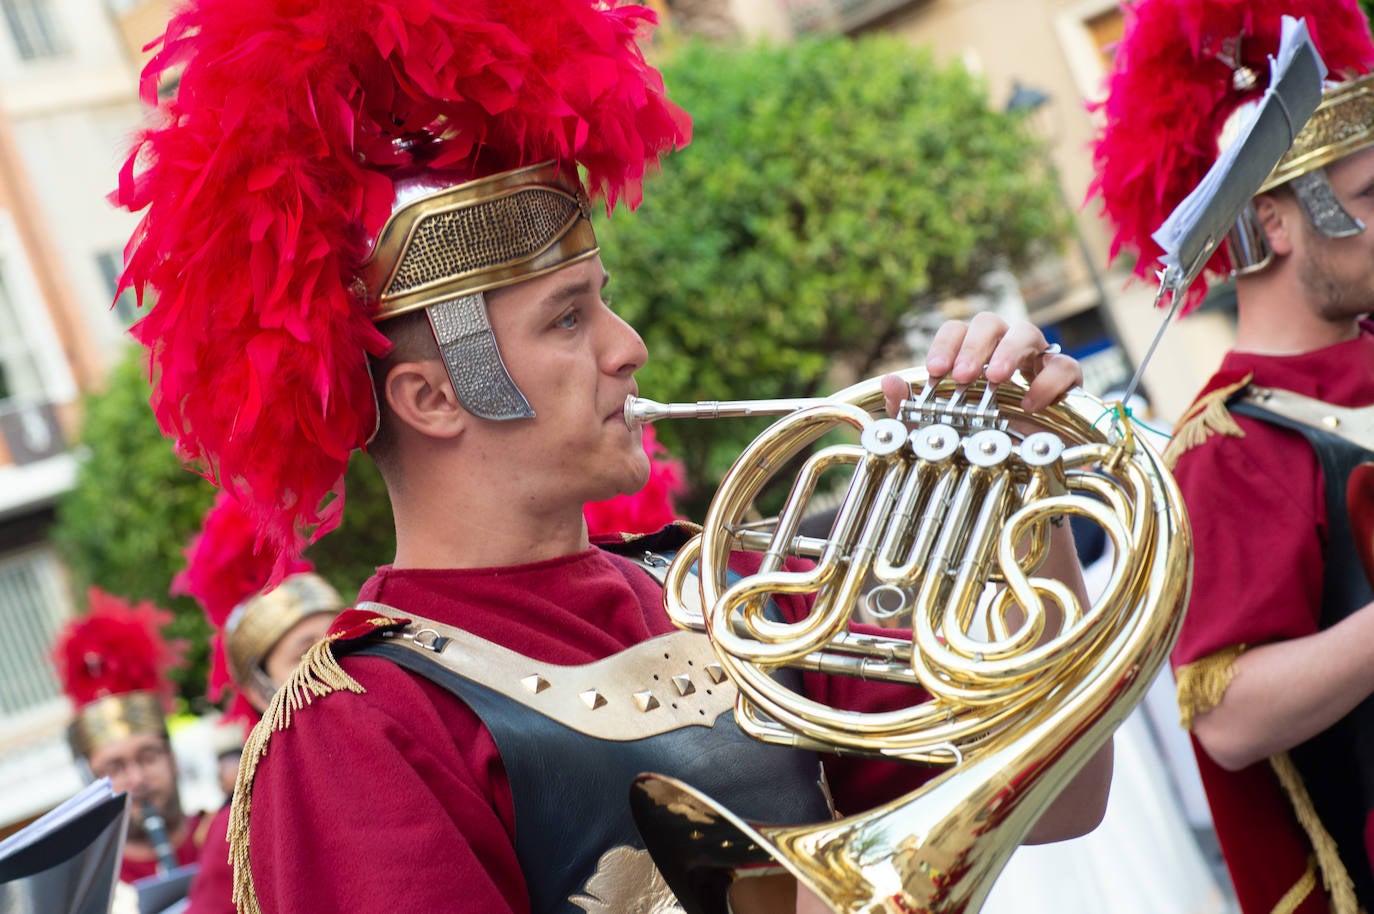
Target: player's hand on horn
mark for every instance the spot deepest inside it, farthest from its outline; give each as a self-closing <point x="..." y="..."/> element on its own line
<point x="988" y="346"/>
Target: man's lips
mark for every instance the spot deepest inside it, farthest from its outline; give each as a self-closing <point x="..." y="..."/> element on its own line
<point x="618" y="413"/>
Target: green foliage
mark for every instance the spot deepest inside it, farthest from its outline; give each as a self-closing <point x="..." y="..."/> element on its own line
<point x="125" y="525"/>
<point x="832" y="188"/>
<point x="133" y="509"/>
<point x="367" y="536"/>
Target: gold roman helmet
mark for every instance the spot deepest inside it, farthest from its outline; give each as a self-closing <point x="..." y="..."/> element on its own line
<point x="1342" y="124"/>
<point x="258" y="623"/>
<point x="370" y="96"/>
<point x="445" y="246"/>
<point x="112" y="663"/>
<point x="108" y="720"/>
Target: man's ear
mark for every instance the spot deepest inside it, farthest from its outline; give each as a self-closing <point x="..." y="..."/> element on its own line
<point x="1277" y="223"/>
<point x="421" y="396"/>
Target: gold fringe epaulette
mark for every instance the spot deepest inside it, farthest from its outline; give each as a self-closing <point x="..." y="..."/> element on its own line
<point x="1339" y="886"/>
<point x="318" y="675"/>
<point x="1207" y="416"/>
<point x="1202" y="683"/>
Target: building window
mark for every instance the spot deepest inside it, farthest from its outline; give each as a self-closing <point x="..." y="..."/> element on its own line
<point x="111" y="264"/>
<point x="35" y="32"/>
<point x="33" y="605"/>
<point x="837" y="16"/>
<point x="19" y="376"/>
<point x="1105" y="30"/>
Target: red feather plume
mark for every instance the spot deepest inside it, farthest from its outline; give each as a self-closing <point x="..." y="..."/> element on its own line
<point x="1169" y="93"/>
<point x="114" y="649"/>
<point x="226" y="563"/>
<point x="264" y="180"/>
<point x="649" y="509"/>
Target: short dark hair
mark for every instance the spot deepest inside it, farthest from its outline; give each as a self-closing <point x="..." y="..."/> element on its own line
<point x="412" y="340"/>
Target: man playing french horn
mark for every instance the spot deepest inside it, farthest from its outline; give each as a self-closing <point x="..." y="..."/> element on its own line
<point x="413" y="165"/>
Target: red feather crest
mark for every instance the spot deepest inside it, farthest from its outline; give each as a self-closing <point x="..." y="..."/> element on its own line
<point x="114" y="649"/>
<point x="226" y="563"/>
<point x="1169" y="94"/>
<point x="649" y="509"/>
<point x="264" y="179"/>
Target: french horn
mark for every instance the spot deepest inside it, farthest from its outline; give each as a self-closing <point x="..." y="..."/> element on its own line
<point x="942" y="530"/>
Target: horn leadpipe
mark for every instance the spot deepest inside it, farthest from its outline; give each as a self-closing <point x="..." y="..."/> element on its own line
<point x="641" y="411"/>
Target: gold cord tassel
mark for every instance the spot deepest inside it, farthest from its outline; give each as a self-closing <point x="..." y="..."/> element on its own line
<point x="1334" y="876"/>
<point x="1298" y="892"/>
<point x="317" y="675"/>
<point x="1202" y="683"/>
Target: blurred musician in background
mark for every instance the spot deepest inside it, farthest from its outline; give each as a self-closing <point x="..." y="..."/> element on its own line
<point x="113" y="664"/>
<point x="1272" y="663"/>
<point x="259" y="638"/>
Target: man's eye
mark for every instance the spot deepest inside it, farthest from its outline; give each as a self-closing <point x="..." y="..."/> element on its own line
<point x="567" y="321"/>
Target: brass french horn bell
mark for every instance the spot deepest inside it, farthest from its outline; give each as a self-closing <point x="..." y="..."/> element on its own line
<point x="942" y="530"/>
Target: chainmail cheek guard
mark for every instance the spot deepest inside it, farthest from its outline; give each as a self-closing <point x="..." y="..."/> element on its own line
<point x="468" y="346"/>
<point x="1321" y="206"/>
<point x="443" y="249"/>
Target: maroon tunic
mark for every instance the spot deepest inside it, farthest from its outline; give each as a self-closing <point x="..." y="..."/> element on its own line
<point x="212" y="891"/>
<point x="1258" y="512"/>
<point x="396" y="799"/>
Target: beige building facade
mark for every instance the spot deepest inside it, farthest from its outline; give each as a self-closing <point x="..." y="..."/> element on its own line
<point x="68" y="107"/>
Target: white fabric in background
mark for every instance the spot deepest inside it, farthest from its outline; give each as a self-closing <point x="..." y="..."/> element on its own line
<point x="1142" y="859"/>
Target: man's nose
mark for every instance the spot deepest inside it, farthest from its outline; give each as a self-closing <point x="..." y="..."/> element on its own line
<point x="626" y="352"/>
<point x="135" y="781"/>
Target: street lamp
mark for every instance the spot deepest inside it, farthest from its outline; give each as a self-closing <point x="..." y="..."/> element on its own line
<point x="1025" y="99"/>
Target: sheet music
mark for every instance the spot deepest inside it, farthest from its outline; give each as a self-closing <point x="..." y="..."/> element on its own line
<point x="91" y="796"/>
<point x="1199" y="224"/>
<point x="67" y="861"/>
